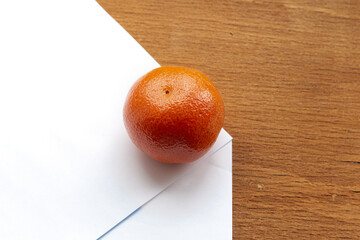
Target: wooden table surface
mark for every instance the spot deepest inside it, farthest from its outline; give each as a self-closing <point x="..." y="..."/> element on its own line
<point x="289" y="73"/>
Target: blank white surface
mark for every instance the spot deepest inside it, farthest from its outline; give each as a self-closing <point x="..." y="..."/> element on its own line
<point x="197" y="206"/>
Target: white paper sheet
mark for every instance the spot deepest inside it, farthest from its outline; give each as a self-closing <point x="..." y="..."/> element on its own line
<point x="197" y="206"/>
<point x="67" y="167"/>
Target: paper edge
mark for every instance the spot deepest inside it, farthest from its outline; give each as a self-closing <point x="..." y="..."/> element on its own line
<point x="227" y="135"/>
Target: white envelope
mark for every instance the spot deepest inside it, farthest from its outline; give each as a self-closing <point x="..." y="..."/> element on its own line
<point x="67" y="167"/>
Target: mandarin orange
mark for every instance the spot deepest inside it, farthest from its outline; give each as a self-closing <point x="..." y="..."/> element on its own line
<point x="174" y="114"/>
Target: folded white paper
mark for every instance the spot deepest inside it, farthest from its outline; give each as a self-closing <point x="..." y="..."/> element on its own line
<point x="197" y="206"/>
<point x="67" y="167"/>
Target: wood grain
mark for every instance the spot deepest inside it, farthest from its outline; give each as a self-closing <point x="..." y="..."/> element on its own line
<point x="289" y="73"/>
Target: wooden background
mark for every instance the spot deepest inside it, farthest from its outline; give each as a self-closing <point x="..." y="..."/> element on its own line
<point x="289" y="73"/>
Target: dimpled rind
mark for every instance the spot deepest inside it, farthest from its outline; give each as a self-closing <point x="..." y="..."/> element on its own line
<point x="174" y="114"/>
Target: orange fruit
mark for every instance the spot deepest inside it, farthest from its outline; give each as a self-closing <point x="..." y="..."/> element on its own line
<point x="174" y="114"/>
